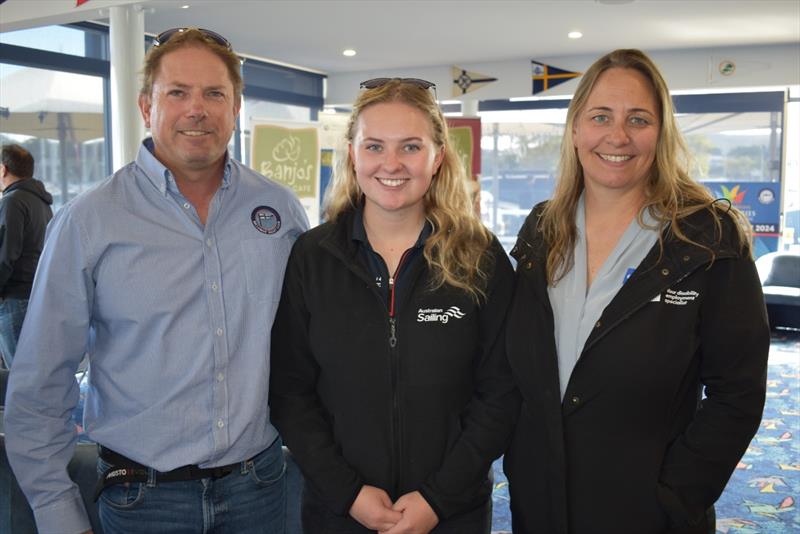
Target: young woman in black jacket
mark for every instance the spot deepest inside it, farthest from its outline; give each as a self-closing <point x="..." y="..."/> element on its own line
<point x="636" y="293"/>
<point x="389" y="381"/>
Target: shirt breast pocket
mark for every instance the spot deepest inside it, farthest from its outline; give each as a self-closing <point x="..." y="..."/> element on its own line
<point x="264" y="266"/>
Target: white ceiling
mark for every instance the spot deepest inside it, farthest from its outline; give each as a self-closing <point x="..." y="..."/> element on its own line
<point x="396" y="34"/>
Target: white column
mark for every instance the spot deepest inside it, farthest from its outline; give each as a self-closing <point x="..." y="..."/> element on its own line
<point x="127" y="56"/>
<point x="469" y="108"/>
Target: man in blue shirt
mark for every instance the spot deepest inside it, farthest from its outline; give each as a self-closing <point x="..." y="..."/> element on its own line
<point x="167" y="276"/>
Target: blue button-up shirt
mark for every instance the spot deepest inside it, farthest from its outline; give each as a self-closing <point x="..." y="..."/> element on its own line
<point x="577" y="308"/>
<point x="175" y="317"/>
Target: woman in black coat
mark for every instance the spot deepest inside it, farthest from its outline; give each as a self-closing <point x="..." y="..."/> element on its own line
<point x="637" y="334"/>
<point x="390" y="383"/>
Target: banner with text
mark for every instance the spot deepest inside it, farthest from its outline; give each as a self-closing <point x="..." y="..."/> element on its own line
<point x="289" y="153"/>
<point x="760" y="202"/>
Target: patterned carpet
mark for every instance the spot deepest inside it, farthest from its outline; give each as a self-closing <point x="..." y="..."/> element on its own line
<point x="763" y="493"/>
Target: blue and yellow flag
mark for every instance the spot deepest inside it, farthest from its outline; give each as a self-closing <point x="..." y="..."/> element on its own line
<point x="546" y="76"/>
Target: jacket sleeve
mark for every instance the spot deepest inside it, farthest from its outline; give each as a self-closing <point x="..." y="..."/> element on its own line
<point x="295" y="407"/>
<point x="42" y="390"/>
<point x="12" y="226"/>
<point x="734" y="345"/>
<point x="489" y="417"/>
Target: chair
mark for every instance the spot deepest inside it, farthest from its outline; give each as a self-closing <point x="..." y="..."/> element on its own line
<point x="15" y="514"/>
<point x="780" y="280"/>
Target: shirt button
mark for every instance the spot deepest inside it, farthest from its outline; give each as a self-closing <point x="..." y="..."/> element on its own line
<point x="186" y="205"/>
<point x="529" y="265"/>
<point x="220" y="377"/>
<point x="575" y="400"/>
<point x="686" y="258"/>
<point x="665" y="272"/>
<point x="220" y="423"/>
<point x="219" y="331"/>
<point x="214" y="286"/>
<point x="209" y="242"/>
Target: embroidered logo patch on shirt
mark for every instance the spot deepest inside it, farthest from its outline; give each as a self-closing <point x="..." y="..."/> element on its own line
<point x="266" y="220"/>
<point x="679" y="298"/>
<point x="427" y="315"/>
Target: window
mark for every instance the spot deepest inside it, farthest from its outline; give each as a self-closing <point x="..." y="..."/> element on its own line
<point x="520" y="153"/>
<point x="58" y="117"/>
<point x="83" y="40"/>
<point x="54" y="83"/>
<point x="736" y="140"/>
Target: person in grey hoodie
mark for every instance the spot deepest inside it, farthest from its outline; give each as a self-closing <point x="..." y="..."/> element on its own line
<point x="24" y="214"/>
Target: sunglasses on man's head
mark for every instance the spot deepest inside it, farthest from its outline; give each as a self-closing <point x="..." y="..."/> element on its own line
<point x="374" y="83"/>
<point x="166" y="35"/>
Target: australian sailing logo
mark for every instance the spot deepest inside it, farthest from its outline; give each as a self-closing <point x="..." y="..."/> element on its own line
<point x="427" y="315"/>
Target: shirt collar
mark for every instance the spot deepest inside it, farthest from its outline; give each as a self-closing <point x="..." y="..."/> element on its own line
<point x="161" y="177"/>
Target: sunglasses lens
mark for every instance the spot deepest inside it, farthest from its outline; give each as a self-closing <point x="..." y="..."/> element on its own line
<point x="166" y="35"/>
<point x="374" y="83"/>
<point x="217" y="38"/>
<point x="425" y="84"/>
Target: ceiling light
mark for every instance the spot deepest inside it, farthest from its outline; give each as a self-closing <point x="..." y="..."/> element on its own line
<point x="349" y="52"/>
<point x="574" y="35"/>
<point x="186" y="6"/>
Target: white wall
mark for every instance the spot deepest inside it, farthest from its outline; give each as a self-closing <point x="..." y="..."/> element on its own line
<point x="756" y="66"/>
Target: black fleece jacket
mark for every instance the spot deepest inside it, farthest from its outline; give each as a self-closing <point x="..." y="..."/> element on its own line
<point x="24" y="214"/>
<point x="635" y="447"/>
<point x="428" y="411"/>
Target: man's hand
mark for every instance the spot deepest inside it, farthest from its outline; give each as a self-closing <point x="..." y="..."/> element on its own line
<point x="373" y="509"/>
<point x="418" y="516"/>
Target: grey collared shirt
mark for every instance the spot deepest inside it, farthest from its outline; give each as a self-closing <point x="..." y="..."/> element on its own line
<point x="577" y="308"/>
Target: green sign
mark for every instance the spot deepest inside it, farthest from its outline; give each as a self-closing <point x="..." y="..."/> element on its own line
<point x="461" y="139"/>
<point x="289" y="156"/>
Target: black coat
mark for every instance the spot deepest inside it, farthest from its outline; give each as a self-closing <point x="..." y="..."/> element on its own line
<point x="24" y="214"/>
<point x="428" y="414"/>
<point x="633" y="449"/>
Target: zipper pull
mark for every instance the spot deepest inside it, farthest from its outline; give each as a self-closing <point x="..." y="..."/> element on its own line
<point x="391" y="282"/>
<point x="392" y="333"/>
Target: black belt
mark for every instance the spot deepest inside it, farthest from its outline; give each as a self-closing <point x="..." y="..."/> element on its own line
<point x="123" y="469"/>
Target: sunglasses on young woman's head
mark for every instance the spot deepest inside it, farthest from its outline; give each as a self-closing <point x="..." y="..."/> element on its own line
<point x="374" y="83"/>
<point x="166" y="35"/>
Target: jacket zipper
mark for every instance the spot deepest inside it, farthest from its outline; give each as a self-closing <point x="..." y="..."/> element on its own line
<point x="394" y="357"/>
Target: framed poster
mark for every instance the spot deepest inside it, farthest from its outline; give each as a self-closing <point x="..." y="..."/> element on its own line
<point x="289" y="153"/>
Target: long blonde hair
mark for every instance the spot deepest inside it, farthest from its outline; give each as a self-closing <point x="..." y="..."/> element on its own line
<point x="457" y="249"/>
<point x="671" y="194"/>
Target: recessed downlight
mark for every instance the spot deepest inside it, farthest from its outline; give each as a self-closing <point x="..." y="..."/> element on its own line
<point x="575" y="35"/>
<point x="349" y="52"/>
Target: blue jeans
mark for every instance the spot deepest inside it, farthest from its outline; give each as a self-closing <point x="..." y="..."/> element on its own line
<point x="250" y="500"/>
<point x="12" y="313"/>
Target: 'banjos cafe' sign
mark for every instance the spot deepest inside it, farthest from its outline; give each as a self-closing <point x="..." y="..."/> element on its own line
<point x="289" y="156"/>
